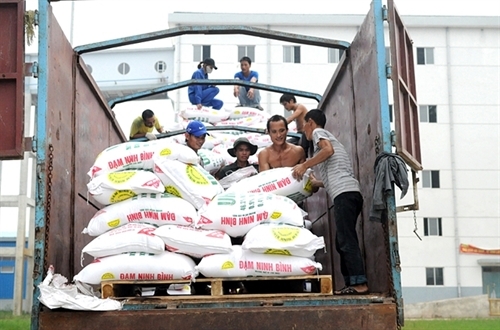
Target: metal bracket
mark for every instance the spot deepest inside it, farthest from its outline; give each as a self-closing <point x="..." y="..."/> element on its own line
<point x="34" y="69"/>
<point x="385" y="13"/>
<point x="388" y="71"/>
<point x="415" y="205"/>
<point x="30" y="144"/>
<point x="393" y="138"/>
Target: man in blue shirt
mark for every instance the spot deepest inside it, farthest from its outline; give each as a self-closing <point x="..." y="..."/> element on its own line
<point x="204" y="95"/>
<point x="248" y="97"/>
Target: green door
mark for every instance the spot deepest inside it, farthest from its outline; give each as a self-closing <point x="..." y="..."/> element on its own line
<point x="491" y="281"/>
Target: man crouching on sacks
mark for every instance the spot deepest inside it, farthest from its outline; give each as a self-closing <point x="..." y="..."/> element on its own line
<point x="336" y="175"/>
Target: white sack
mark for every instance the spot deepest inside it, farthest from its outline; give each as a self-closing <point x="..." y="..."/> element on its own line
<point x="139" y="156"/>
<point x="212" y="162"/>
<point x="189" y="182"/>
<point x="237" y="175"/>
<point x="282" y="240"/>
<point x="138" y="266"/>
<point x="192" y="241"/>
<point x="132" y="237"/>
<point x="277" y="181"/>
<point x="236" y="213"/>
<point x="154" y="209"/>
<point x="242" y="263"/>
<point x="243" y="112"/>
<point x="118" y="186"/>
<point x="204" y="114"/>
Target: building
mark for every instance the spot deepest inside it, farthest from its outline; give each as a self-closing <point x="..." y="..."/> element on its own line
<point x="458" y="90"/>
<point x="7" y="273"/>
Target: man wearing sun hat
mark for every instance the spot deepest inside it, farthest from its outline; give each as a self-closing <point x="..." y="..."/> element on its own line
<point x="242" y="149"/>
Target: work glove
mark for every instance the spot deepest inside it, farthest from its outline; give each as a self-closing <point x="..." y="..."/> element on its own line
<point x="151" y="136"/>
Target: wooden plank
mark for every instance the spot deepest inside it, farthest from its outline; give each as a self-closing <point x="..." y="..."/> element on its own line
<point x="126" y="289"/>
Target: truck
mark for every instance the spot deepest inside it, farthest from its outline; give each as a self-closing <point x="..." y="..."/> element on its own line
<point x="73" y="121"/>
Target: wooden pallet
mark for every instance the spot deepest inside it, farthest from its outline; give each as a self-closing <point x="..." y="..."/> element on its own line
<point x="321" y="285"/>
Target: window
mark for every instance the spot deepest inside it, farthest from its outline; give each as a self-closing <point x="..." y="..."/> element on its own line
<point x="160" y="66"/>
<point x="201" y="52"/>
<point x="7" y="269"/>
<point x="291" y="54"/>
<point x="434" y="276"/>
<point x="246" y="51"/>
<point x="428" y="113"/>
<point x="388" y="55"/>
<point x="430" y="179"/>
<point x="425" y="55"/>
<point x="124" y="68"/>
<point x="334" y="55"/>
<point x="432" y="227"/>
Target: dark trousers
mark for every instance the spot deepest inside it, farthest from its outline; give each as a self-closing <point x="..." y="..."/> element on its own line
<point x="346" y="209"/>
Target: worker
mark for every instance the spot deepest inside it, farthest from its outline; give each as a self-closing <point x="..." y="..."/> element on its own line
<point x="242" y="149"/>
<point x="195" y="135"/>
<point x="248" y="97"/>
<point x="280" y="153"/>
<point x="289" y="102"/>
<point x="204" y="95"/>
<point x="143" y="126"/>
<point x="337" y="176"/>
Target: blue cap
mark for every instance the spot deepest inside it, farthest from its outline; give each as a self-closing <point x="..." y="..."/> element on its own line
<point x="196" y="128"/>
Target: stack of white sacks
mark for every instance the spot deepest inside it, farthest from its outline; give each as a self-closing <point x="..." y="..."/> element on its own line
<point x="167" y="218"/>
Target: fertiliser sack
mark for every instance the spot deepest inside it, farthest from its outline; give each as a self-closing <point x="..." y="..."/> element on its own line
<point x="241" y="263"/>
<point x="283" y="240"/>
<point x="192" y="241"/>
<point x="139" y="156"/>
<point x="243" y="112"/>
<point x="189" y="182"/>
<point x="277" y="181"/>
<point x="119" y="186"/>
<point x="261" y="141"/>
<point x="237" y="175"/>
<point x="247" y="121"/>
<point x="138" y="266"/>
<point x="132" y="237"/>
<point x="212" y="162"/>
<point x="154" y="209"/>
<point x="205" y="114"/>
<point x="236" y="213"/>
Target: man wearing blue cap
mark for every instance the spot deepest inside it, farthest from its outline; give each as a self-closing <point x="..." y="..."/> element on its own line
<point x="196" y="133"/>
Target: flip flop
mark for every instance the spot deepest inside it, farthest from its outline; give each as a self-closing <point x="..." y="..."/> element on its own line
<point x="345" y="291"/>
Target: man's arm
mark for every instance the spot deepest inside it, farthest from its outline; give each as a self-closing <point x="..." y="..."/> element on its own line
<point x="255" y="78"/>
<point x="264" y="160"/>
<point x="326" y="150"/>
<point x="158" y="126"/>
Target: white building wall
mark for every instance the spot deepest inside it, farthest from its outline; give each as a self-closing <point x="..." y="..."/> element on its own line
<point x="463" y="145"/>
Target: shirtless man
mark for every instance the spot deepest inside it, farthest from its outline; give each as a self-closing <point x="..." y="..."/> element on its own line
<point x="281" y="153"/>
<point x="299" y="111"/>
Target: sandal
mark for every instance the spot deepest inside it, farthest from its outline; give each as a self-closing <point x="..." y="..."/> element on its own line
<point x="347" y="290"/>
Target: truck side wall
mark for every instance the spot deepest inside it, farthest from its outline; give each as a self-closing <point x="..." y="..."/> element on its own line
<point x="351" y="103"/>
<point x="79" y="126"/>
